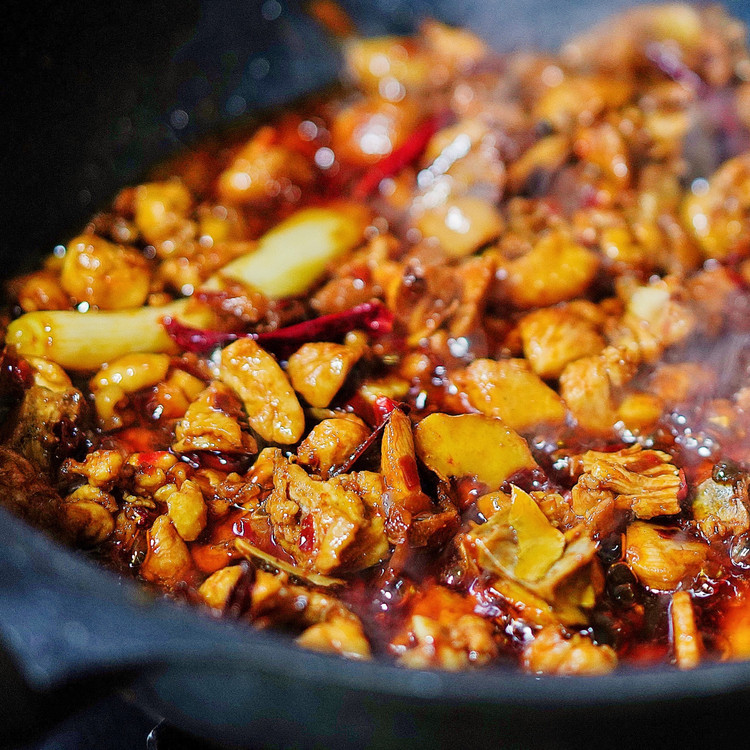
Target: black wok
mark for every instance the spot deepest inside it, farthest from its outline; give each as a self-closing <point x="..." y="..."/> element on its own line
<point x="98" y="93"/>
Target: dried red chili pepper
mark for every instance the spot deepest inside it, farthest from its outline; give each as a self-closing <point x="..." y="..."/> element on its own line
<point x="401" y="157"/>
<point x="373" y="316"/>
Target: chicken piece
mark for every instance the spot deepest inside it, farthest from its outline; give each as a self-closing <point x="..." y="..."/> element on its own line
<point x="457" y="48"/>
<point x="370" y="128"/>
<point x="663" y="557"/>
<point x="270" y="402"/>
<point x="653" y="321"/>
<point x="89" y="493"/>
<point x="162" y="214"/>
<point x="90" y="521"/>
<point x="686" y="640"/>
<point x="217" y="589"/>
<point x="461" y="225"/>
<point x="642" y="481"/>
<point x="546" y="156"/>
<point x="603" y="147"/>
<point x="443" y="632"/>
<point x="167" y="560"/>
<point x="717" y="217"/>
<point x="371" y="61"/>
<point x="720" y="509"/>
<point x="554" y="337"/>
<point x="331" y="442"/>
<point x="589" y="386"/>
<point x="25" y="493"/>
<point x="510" y="390"/>
<point x="317" y="370"/>
<point x="463" y="159"/>
<point x="41" y="414"/>
<point x="212" y="423"/>
<point x="49" y="374"/>
<point x="399" y="465"/>
<point x="337" y="635"/>
<point x="334" y="525"/>
<point x="262" y="170"/>
<point x="682" y="382"/>
<point x="556" y="269"/>
<point x="40" y="290"/>
<point x="121" y="377"/>
<point x="173" y="396"/>
<point x="100" y="468"/>
<point x="104" y="275"/>
<point x="187" y="509"/>
<point x="553" y="652"/>
<point x="578" y="99"/>
<point x="149" y="471"/>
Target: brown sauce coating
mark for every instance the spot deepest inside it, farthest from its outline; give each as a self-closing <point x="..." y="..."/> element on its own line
<point x="448" y="368"/>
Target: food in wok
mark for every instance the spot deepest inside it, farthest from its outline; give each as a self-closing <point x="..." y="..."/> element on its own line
<point x="445" y="367"/>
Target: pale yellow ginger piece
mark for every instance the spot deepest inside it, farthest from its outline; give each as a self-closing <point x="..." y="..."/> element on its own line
<point x="218" y="587"/>
<point x="556" y="269"/>
<point x="518" y="543"/>
<point x="162" y="213"/>
<point x="640" y="411"/>
<point x="331" y="442"/>
<point x="461" y="225"/>
<point x="86" y="341"/>
<point x="718" y="216"/>
<point x="663" y="557"/>
<point x="260" y="168"/>
<point x="552" y="652"/>
<point x="645" y="482"/>
<point x="555" y="336"/>
<point x="589" y="386"/>
<point x="269" y="399"/>
<point x="186" y="508"/>
<point x="101" y="468"/>
<point x="121" y="377"/>
<point x="327" y="525"/>
<point x="508" y="389"/>
<point x="471" y="445"/>
<point x="317" y="370"/>
<point x="686" y="640"/>
<point x="337" y="635"/>
<point x="721" y="509"/>
<point x="167" y="560"/>
<point x="211" y="423"/>
<point x="292" y="256"/>
<point x="103" y="274"/>
<point x="538" y="543"/>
